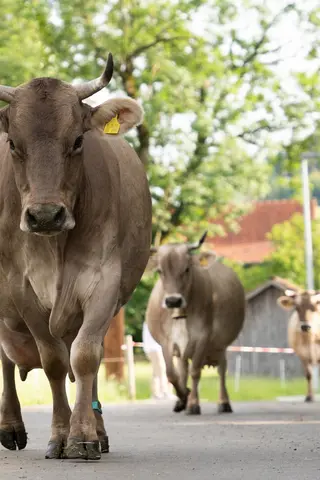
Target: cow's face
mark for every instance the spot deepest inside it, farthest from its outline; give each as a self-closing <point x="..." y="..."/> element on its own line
<point x="175" y="270"/>
<point x="46" y="123"/>
<point x="306" y="304"/>
<point x="175" y="265"/>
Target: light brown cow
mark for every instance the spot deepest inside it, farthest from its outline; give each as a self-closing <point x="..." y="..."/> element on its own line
<point x="75" y="234"/>
<point x="304" y="329"/>
<point x="195" y="313"/>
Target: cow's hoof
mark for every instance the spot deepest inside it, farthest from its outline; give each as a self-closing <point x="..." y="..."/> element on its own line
<point x="179" y="405"/>
<point x="55" y="449"/>
<point x="193" y="410"/>
<point x="224" y="408"/>
<point x="104" y="444"/>
<point x="76" y="448"/>
<point x="308" y="399"/>
<point x="15" y="438"/>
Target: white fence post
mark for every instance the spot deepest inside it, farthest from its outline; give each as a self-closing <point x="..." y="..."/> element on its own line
<point x="131" y="371"/>
<point x="282" y="365"/>
<point x="68" y="389"/>
<point x="237" y="374"/>
<point x="315" y="378"/>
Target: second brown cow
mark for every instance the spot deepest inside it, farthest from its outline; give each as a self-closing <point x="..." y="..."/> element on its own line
<point x="195" y="313"/>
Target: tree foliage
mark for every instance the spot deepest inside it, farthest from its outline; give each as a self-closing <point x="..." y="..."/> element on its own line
<point x="22" y="52"/>
<point x="288" y="259"/>
<point x="208" y="85"/>
<point x="219" y="106"/>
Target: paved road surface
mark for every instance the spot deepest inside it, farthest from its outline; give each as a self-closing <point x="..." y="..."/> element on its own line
<point x="261" y="441"/>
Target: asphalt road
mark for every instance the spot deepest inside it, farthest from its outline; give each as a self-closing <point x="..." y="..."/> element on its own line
<point x="260" y="441"/>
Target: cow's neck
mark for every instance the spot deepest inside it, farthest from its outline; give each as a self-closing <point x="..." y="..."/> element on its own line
<point x="200" y="292"/>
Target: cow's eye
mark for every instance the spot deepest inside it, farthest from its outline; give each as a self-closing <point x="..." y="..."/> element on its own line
<point x="159" y="270"/>
<point x="12" y="146"/>
<point x="78" y="143"/>
<point x="187" y="270"/>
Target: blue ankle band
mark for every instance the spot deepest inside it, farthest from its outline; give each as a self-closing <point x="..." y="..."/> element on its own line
<point x="97" y="407"/>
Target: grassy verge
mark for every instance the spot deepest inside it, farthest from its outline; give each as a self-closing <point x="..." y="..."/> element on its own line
<point x="36" y="391"/>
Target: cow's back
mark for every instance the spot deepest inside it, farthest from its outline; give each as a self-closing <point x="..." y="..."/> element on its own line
<point x="134" y="213"/>
<point x="228" y="304"/>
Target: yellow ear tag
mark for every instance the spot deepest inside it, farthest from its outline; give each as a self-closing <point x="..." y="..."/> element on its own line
<point x="112" y="127"/>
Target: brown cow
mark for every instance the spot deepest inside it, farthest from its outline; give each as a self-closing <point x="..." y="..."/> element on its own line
<point x="75" y="234"/>
<point x="304" y="329"/>
<point x="195" y="313"/>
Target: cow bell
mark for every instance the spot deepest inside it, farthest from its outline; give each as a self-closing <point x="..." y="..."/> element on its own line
<point x="179" y="313"/>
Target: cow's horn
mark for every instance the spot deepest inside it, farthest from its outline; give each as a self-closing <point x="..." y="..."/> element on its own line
<point x="85" y="90"/>
<point x="153" y="249"/>
<point x="196" y="245"/>
<point x="7" y="93"/>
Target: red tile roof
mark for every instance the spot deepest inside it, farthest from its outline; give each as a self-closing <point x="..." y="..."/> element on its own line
<point x="250" y="244"/>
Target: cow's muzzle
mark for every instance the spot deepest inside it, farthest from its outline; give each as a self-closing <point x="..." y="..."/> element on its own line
<point x="47" y="219"/>
<point x="174" y="301"/>
<point x="305" y="327"/>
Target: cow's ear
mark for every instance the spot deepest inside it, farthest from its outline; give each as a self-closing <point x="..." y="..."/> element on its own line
<point x="287" y="303"/>
<point x="116" y="116"/>
<point x="4" y="123"/>
<point x="316" y="299"/>
<point x="206" y="258"/>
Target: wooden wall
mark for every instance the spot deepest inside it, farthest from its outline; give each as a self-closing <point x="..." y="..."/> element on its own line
<point x="265" y="326"/>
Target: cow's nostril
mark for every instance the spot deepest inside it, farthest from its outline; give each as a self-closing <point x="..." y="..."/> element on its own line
<point x="46" y="217"/>
<point x="31" y="219"/>
<point x="305" y="328"/>
<point x="60" y="216"/>
<point x="173" y="302"/>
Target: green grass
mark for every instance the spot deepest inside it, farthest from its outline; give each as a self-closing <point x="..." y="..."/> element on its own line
<point x="36" y="391"/>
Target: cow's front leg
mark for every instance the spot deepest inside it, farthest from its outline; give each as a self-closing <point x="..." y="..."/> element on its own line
<point x="308" y="374"/>
<point x="193" y="406"/>
<point x="83" y="440"/>
<point x="12" y="430"/>
<point x="54" y="358"/>
<point x="179" y="382"/>
<point x="224" y="402"/>
<point x="96" y="406"/>
<point x="55" y="362"/>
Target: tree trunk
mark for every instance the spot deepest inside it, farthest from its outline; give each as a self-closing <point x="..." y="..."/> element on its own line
<point x="112" y="348"/>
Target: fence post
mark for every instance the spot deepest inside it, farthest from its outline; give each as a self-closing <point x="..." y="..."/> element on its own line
<point x="68" y="389"/>
<point x="315" y="377"/>
<point x="282" y="365"/>
<point x="237" y="374"/>
<point x="130" y="364"/>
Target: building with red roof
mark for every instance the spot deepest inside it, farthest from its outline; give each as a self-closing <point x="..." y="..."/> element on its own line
<point x="251" y="245"/>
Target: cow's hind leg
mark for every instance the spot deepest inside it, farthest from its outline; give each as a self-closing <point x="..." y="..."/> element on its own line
<point x="101" y="431"/>
<point x="12" y="430"/>
<point x="224" y="402"/>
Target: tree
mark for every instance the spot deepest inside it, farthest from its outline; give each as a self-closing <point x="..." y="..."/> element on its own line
<point x="254" y="275"/>
<point x="22" y="53"/>
<point x="288" y="258"/>
<point x="217" y="110"/>
<point x="198" y="89"/>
